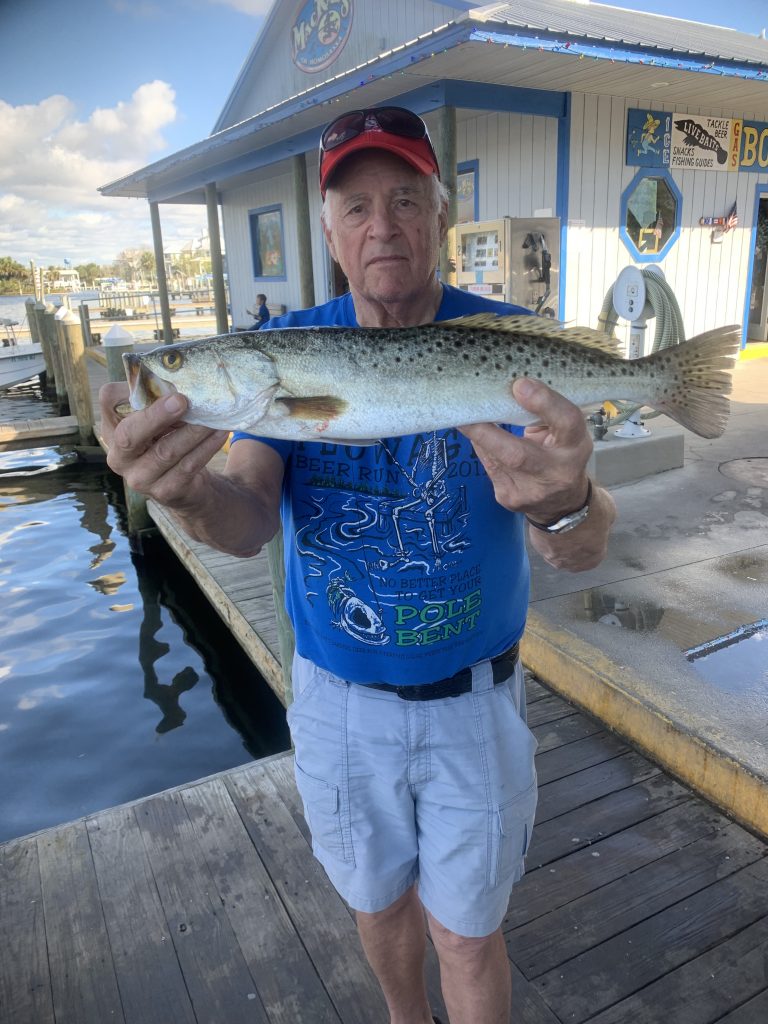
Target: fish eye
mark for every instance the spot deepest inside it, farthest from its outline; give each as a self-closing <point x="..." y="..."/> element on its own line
<point x="172" y="360"/>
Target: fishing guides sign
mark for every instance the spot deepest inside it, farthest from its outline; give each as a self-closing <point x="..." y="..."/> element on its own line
<point x="695" y="142"/>
<point x="319" y="32"/>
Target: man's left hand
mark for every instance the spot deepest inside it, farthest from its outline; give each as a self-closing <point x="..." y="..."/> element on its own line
<point x="544" y="475"/>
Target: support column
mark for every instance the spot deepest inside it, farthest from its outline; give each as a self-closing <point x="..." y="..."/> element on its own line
<point x="303" y="231"/>
<point x="162" y="284"/>
<point x="446" y="157"/>
<point x="217" y="264"/>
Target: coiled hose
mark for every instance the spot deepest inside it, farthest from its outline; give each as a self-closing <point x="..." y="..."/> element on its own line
<point x="670" y="329"/>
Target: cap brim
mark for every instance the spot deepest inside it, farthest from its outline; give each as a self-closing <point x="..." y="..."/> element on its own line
<point x="406" y="149"/>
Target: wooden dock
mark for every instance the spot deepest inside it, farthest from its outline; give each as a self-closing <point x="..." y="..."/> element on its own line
<point x="204" y="904"/>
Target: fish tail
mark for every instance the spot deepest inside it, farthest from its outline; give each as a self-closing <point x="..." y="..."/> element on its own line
<point x="693" y="380"/>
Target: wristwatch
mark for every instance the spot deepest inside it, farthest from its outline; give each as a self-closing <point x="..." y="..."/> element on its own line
<point x="566" y="522"/>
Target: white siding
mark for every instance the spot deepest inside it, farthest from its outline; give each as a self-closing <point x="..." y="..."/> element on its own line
<point x="377" y="25"/>
<point x="236" y="205"/>
<point x="517" y="158"/>
<point x="708" y="280"/>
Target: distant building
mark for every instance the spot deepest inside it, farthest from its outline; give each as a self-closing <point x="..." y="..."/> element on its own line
<point x="68" y="281"/>
<point x="637" y="139"/>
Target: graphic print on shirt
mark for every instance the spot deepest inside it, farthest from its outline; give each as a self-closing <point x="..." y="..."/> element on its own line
<point x="380" y="544"/>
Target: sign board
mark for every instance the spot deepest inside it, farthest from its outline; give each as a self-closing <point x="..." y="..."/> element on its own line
<point x="695" y="142"/>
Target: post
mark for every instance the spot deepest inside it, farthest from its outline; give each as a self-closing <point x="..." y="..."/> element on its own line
<point x="85" y="323"/>
<point x="73" y="357"/>
<point x="38" y="337"/>
<point x="285" y="636"/>
<point x="116" y="341"/>
<point x="446" y="157"/>
<point x="162" y="283"/>
<point x="217" y="264"/>
<point x="303" y="231"/>
<point x="47" y="317"/>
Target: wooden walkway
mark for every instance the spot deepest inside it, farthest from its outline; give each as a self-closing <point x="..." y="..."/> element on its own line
<point x="203" y="904"/>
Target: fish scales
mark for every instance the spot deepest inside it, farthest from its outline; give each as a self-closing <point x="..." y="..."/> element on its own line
<point x="359" y="384"/>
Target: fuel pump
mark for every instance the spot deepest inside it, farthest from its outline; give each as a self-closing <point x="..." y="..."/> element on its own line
<point x="630" y="302"/>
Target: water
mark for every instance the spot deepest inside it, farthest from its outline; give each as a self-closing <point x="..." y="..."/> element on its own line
<point x="736" y="661"/>
<point x="117" y="678"/>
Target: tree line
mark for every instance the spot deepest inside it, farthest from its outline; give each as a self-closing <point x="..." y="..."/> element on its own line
<point x="134" y="266"/>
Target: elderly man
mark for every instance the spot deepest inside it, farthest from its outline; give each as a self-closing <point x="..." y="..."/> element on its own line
<point x="407" y="585"/>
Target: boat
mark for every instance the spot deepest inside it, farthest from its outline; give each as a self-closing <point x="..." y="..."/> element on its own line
<point x="20" y="363"/>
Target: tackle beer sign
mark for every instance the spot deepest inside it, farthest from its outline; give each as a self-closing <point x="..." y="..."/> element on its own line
<point x="319" y="32"/>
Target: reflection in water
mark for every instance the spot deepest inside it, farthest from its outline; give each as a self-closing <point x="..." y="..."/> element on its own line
<point x="737" y="661"/>
<point x="97" y="708"/>
<point x="152" y="650"/>
<point x="641" y="614"/>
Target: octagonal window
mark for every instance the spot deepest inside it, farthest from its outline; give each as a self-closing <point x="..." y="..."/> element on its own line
<point x="650" y="216"/>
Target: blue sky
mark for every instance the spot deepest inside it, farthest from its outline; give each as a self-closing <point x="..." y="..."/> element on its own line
<point x="121" y="83"/>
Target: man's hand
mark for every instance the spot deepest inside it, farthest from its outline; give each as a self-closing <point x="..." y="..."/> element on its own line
<point x="157" y="454"/>
<point x="544" y="475"/>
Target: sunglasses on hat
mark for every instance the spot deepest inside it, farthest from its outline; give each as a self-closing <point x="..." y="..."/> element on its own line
<point x="395" y="122"/>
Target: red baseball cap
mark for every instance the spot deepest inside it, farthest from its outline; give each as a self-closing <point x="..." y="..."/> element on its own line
<point x="393" y="129"/>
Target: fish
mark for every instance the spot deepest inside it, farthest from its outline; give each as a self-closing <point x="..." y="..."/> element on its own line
<point x="354" y="385"/>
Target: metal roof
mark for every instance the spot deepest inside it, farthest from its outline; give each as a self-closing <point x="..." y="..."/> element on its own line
<point x="601" y="22"/>
<point x="542" y="44"/>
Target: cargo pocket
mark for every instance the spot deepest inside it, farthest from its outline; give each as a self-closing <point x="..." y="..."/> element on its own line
<point x="511" y="830"/>
<point x="322" y="809"/>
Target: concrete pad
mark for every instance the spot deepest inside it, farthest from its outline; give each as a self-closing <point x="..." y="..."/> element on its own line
<point x="687" y="563"/>
<point x="617" y="460"/>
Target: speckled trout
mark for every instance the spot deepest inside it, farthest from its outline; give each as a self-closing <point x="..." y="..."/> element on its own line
<point x="354" y="385"/>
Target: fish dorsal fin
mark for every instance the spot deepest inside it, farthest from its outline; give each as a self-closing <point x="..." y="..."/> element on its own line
<point x="542" y="326"/>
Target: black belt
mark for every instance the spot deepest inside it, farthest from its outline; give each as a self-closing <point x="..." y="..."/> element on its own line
<point x="502" y="666"/>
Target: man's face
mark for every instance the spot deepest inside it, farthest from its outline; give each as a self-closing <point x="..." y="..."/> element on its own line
<point x="385" y="227"/>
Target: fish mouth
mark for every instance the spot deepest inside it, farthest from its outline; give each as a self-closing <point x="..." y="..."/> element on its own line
<point x="145" y="386"/>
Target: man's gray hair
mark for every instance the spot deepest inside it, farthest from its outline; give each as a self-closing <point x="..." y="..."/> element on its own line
<point x="440" y="197"/>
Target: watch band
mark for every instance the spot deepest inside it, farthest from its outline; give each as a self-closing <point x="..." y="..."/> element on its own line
<point x="569" y="521"/>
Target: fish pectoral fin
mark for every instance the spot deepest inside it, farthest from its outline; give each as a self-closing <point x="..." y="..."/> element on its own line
<point x="541" y="326"/>
<point x="313" y="407"/>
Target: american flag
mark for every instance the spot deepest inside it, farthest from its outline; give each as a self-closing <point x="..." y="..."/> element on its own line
<point x="732" y="219"/>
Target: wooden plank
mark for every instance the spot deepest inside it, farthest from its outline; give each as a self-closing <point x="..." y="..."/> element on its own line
<point x="533" y="688"/>
<point x="152" y="987"/>
<point x="562" y="934"/>
<point x="317" y="912"/>
<point x="288" y="984"/>
<point x="544" y="889"/>
<point x="748" y="1013"/>
<point x="25" y="985"/>
<point x="548" y="709"/>
<point x="565" y="730"/>
<point x="622" y="966"/>
<point x="217" y="977"/>
<point x="80" y="961"/>
<point x="563" y="795"/>
<point x="603" y="817"/>
<point x="701" y="991"/>
<point x="282" y="774"/>
<point x="585" y="753"/>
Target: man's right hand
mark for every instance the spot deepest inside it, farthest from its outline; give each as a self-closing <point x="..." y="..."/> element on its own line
<point x="154" y="451"/>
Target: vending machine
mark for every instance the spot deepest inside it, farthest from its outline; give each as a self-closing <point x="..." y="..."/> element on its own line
<point x="512" y="259"/>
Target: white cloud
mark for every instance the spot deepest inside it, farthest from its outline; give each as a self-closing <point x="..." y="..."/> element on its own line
<point x="52" y="164"/>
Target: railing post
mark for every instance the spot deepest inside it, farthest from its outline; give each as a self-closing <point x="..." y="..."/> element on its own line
<point x="47" y="317"/>
<point x="76" y="373"/>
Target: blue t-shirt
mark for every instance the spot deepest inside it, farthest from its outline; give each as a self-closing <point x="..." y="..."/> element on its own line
<point x="401" y="566"/>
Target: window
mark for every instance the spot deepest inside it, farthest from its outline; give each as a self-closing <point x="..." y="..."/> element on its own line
<point x="267" y="243"/>
<point x="650" y="216"/>
<point x="467" y="196"/>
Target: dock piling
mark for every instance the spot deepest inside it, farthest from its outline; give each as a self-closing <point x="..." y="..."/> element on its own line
<point x="72" y="352"/>
<point x="47" y="319"/>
